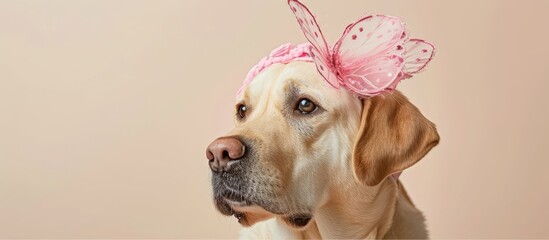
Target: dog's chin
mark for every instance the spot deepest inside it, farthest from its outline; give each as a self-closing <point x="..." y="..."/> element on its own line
<point x="249" y="214"/>
<point x="246" y="213"/>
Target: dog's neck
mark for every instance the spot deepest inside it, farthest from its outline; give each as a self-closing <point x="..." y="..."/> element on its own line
<point x="357" y="211"/>
<point x="384" y="211"/>
<point x="352" y="210"/>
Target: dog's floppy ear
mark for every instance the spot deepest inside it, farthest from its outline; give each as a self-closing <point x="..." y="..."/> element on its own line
<point x="393" y="135"/>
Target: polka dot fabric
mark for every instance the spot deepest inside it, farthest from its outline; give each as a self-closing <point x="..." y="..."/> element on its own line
<point x="372" y="56"/>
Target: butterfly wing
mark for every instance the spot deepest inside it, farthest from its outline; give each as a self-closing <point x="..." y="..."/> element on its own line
<point x="368" y="57"/>
<point x="324" y="67"/>
<point x="376" y="77"/>
<point x="418" y="54"/>
<point x="319" y="48"/>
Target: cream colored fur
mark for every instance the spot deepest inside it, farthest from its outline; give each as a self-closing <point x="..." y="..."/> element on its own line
<point x="318" y="169"/>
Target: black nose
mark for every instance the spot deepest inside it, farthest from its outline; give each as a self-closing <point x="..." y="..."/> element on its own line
<point x="223" y="152"/>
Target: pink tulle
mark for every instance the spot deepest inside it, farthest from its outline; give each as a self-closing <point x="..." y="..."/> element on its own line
<point x="284" y="54"/>
<point x="372" y="56"/>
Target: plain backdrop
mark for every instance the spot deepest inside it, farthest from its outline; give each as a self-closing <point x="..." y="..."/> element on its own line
<point x="106" y="108"/>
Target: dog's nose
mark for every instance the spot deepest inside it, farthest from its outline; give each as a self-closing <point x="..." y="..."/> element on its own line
<point x="223" y="152"/>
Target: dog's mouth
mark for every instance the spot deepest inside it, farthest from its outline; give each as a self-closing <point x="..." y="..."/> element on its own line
<point x="226" y="201"/>
<point x="248" y="213"/>
<point x="235" y="199"/>
<point x="249" y="209"/>
<point x="244" y="210"/>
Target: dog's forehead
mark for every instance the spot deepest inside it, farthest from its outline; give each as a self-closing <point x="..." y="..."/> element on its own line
<point x="276" y="81"/>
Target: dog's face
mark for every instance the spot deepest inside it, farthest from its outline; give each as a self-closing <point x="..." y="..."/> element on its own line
<point x="296" y="137"/>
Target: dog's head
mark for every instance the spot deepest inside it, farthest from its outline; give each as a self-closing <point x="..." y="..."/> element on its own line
<point x="296" y="138"/>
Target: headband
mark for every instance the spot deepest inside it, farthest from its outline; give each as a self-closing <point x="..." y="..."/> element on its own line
<point x="372" y="56"/>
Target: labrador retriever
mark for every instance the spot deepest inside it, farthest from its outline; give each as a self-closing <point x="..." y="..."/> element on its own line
<point x="306" y="160"/>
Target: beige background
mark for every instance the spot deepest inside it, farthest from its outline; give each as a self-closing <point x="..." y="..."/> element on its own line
<point x="106" y="108"/>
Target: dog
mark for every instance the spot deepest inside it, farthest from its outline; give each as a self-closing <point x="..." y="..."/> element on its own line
<point x="307" y="160"/>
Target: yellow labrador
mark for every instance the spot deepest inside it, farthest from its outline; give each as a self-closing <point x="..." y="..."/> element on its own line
<point x="306" y="160"/>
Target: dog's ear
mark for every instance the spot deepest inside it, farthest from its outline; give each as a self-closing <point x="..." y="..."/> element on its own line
<point x="393" y="135"/>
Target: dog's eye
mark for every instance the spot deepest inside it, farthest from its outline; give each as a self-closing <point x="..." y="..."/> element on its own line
<point x="306" y="106"/>
<point x="241" y="110"/>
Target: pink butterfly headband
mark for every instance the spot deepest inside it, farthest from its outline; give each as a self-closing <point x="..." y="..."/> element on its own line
<point x="372" y="56"/>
